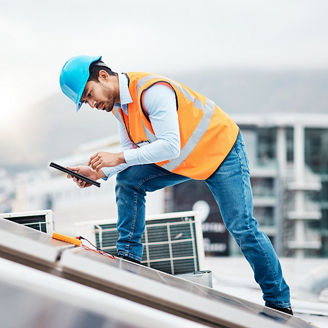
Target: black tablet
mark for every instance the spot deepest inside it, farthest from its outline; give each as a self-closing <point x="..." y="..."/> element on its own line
<point x="74" y="174"/>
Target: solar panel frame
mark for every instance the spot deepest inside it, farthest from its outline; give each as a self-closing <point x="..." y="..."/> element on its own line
<point x="138" y="283"/>
<point x="35" y="294"/>
<point x="19" y="241"/>
<point x="170" y="293"/>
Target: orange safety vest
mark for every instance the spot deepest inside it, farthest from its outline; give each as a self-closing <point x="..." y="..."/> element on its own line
<point x="207" y="133"/>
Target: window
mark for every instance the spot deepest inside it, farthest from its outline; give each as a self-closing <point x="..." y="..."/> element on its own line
<point x="316" y="145"/>
<point x="290" y="144"/>
<point x="266" y="151"/>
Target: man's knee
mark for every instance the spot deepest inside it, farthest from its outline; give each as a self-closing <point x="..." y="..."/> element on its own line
<point x="129" y="179"/>
<point x="243" y="229"/>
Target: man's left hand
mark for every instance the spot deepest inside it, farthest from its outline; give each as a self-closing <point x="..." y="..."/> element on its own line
<point x="104" y="159"/>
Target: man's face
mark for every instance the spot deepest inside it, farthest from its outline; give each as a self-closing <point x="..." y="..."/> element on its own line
<point x="102" y="94"/>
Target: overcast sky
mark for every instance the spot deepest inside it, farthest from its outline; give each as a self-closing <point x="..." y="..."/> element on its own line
<point x="38" y="36"/>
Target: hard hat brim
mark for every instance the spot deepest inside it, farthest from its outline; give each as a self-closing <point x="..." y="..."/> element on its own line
<point x="85" y="80"/>
<point x="79" y="105"/>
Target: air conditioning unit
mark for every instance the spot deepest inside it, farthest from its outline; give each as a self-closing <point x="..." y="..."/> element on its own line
<point x="173" y="242"/>
<point x="41" y="220"/>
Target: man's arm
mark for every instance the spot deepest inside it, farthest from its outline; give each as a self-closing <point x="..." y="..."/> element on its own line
<point x="125" y="143"/>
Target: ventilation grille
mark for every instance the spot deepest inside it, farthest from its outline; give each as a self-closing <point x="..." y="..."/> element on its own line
<point x="41" y="220"/>
<point x="169" y="243"/>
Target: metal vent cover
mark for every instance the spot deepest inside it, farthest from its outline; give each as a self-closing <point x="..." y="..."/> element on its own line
<point x="38" y="220"/>
<point x="171" y="242"/>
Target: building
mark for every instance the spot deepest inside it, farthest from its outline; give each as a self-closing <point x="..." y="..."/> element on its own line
<point x="289" y="174"/>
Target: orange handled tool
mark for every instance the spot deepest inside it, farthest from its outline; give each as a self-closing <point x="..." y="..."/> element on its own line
<point x="67" y="239"/>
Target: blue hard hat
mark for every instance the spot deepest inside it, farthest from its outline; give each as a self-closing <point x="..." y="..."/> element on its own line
<point x="74" y="76"/>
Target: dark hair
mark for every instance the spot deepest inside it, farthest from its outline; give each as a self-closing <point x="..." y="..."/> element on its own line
<point x="97" y="66"/>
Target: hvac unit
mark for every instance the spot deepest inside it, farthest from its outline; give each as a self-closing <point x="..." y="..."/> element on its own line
<point x="39" y="220"/>
<point x="173" y="242"/>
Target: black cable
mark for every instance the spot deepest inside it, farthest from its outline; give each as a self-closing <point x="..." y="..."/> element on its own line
<point x="98" y="249"/>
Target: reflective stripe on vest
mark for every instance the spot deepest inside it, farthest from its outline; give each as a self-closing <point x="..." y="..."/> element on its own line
<point x="201" y="128"/>
<point x="150" y="136"/>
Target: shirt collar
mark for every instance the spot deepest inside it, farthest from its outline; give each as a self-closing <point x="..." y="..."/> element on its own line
<point x="125" y="96"/>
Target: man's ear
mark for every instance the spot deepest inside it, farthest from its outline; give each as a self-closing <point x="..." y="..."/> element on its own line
<point x="103" y="75"/>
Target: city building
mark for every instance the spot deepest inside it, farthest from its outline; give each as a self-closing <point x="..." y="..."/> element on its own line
<point x="289" y="174"/>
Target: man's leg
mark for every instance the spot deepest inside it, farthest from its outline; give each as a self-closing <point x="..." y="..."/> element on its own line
<point x="131" y="187"/>
<point x="230" y="185"/>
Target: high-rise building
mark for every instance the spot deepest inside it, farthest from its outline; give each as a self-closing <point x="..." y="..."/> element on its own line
<point x="289" y="174"/>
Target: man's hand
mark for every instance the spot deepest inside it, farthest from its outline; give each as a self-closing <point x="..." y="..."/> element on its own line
<point x="86" y="171"/>
<point x="103" y="159"/>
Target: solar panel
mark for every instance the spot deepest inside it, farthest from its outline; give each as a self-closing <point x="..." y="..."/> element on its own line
<point x="39" y="220"/>
<point x="19" y="240"/>
<point x="172" y="242"/>
<point x="170" y="293"/>
<point x="137" y="283"/>
<point x="45" y="300"/>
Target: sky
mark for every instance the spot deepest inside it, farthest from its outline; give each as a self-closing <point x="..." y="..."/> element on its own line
<point x="38" y="36"/>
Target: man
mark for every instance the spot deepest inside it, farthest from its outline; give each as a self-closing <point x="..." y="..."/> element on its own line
<point x="170" y="134"/>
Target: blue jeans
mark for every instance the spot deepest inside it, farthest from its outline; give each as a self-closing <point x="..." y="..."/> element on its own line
<point x="231" y="188"/>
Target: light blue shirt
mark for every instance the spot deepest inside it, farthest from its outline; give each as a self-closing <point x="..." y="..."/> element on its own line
<point x="160" y="104"/>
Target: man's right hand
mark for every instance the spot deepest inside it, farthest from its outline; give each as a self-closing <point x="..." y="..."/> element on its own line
<point x="86" y="171"/>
